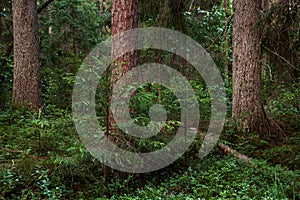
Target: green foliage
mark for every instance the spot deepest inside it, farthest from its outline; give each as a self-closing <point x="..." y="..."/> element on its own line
<point x="286" y="155"/>
<point x="280" y="39"/>
<point x="281" y="151"/>
<point x="6" y="59"/>
<point x="207" y="28"/>
<point x="147" y="96"/>
<point x="37" y="161"/>
<point x="284" y="104"/>
<point x="41" y="157"/>
<point x="69" y="30"/>
<point x="223" y="179"/>
<point x="70" y="25"/>
<point x="6" y="77"/>
<point x="163" y="13"/>
<point x="46" y="160"/>
<point x="35" y="186"/>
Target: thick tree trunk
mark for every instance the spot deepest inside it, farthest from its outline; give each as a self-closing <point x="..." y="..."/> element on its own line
<point x="27" y="87"/>
<point x="247" y="100"/>
<point x="124" y="17"/>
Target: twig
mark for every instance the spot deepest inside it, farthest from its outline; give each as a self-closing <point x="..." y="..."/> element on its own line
<point x="222" y="33"/>
<point x="285" y="60"/>
<point x="42" y="7"/>
<point x="191" y="5"/>
<point x="11" y="151"/>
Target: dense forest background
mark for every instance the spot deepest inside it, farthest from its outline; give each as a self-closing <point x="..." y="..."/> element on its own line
<point x="257" y="156"/>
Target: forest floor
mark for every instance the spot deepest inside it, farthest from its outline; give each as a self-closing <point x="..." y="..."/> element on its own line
<point x="45" y="159"/>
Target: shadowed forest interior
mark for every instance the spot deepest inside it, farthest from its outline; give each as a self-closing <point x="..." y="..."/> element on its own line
<point x="255" y="47"/>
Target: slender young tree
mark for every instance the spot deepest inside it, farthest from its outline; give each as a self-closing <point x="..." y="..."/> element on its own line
<point x="225" y="35"/>
<point x="26" y="87"/>
<point x="247" y="105"/>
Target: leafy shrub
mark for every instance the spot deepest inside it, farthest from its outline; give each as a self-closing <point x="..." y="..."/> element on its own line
<point x="6" y="79"/>
<point x="223" y="179"/>
<point x="284" y="105"/>
<point x="34" y="186"/>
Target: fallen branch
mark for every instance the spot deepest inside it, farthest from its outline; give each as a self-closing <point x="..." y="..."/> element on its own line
<point x="225" y="148"/>
<point x="235" y="153"/>
<point x="11" y="150"/>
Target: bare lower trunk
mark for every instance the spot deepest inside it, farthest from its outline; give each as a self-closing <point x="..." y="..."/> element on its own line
<point x="27" y="87"/>
<point x="124" y="17"/>
<point x="247" y="100"/>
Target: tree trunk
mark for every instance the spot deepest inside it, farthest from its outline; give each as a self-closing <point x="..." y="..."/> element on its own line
<point x="27" y="87"/>
<point x="124" y="17"/>
<point x="247" y="105"/>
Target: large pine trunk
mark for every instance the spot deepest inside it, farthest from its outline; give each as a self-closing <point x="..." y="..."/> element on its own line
<point x="247" y="105"/>
<point x="27" y="87"/>
<point x="124" y="17"/>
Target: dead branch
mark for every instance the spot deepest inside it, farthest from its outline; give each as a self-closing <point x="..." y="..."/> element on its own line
<point x="282" y="58"/>
<point x="42" y="7"/>
<point x="235" y="153"/>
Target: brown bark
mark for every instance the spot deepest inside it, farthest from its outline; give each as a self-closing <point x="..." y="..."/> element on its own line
<point x="247" y="105"/>
<point x="27" y="87"/>
<point x="124" y="17"/>
<point x="236" y="154"/>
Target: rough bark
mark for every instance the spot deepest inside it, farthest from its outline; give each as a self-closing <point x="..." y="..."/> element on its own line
<point x="27" y="87"/>
<point x="247" y="105"/>
<point x="124" y="17"/>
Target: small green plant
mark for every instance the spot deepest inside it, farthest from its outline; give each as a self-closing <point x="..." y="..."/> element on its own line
<point x="32" y="186"/>
<point x="284" y="104"/>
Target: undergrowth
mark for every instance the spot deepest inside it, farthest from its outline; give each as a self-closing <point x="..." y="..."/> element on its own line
<point x="43" y="158"/>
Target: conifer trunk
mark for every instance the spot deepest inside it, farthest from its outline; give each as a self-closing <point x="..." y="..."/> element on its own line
<point x="26" y="88"/>
<point x="247" y="105"/>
